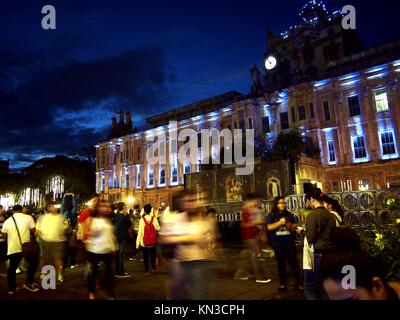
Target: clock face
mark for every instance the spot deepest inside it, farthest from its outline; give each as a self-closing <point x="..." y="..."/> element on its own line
<point x="270" y="62"/>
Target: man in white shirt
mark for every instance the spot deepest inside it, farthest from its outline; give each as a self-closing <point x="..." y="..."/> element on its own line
<point x="26" y="228"/>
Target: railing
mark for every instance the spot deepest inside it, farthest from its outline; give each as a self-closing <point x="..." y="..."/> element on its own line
<point x="360" y="207"/>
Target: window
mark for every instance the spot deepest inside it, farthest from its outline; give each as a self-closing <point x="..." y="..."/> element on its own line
<point x="387" y="143"/>
<point x="335" y="186"/>
<point x="138" y="154"/>
<point x="250" y="123"/>
<point x="265" y="124"/>
<point x="186" y="168"/>
<point x="127" y="180"/>
<point x="364" y="184"/>
<point x="312" y="114"/>
<point x="284" y="120"/>
<point x="229" y="126"/>
<point x="302" y="113"/>
<point x="199" y="140"/>
<point x="120" y="180"/>
<point x="331" y="151"/>
<point x="241" y="125"/>
<point x="327" y="111"/>
<point x="115" y="158"/>
<point x="235" y="125"/>
<point x="393" y="182"/>
<point x="173" y="145"/>
<point x="103" y="184"/>
<point x="174" y="174"/>
<point x="150" y="176"/>
<point x="137" y="177"/>
<point x="354" y="106"/>
<point x="346" y="185"/>
<point x="359" y="148"/>
<point x="293" y="110"/>
<point x="381" y="100"/>
<point x="162" y="176"/>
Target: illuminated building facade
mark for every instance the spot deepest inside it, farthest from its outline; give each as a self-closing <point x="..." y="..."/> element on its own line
<point x="323" y="83"/>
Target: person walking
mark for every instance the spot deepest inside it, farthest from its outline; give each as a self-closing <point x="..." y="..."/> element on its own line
<point x="251" y="226"/>
<point x="52" y="229"/>
<point x="319" y="224"/>
<point x="147" y="238"/>
<point x="122" y="224"/>
<point x="100" y="246"/>
<point x="18" y="230"/>
<point x="281" y="225"/>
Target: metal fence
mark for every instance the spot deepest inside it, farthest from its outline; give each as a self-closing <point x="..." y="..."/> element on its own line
<point x="360" y="207"/>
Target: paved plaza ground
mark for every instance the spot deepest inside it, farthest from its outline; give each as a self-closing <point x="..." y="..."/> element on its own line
<point x="140" y="287"/>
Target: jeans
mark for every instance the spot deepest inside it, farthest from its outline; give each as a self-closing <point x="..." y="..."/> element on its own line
<point x="310" y="279"/>
<point x="120" y="258"/>
<point x="15" y="260"/>
<point x="286" y="251"/>
<point x="149" y="257"/>
<point x="197" y="278"/>
<point x="93" y="274"/>
<point x="176" y="283"/>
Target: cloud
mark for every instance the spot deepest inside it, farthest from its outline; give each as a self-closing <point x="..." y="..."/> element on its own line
<point x="60" y="107"/>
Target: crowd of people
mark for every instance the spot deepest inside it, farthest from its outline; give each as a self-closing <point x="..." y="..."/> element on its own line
<point x="185" y="238"/>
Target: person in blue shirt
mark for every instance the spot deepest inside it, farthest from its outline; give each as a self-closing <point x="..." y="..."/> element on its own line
<point x="281" y="226"/>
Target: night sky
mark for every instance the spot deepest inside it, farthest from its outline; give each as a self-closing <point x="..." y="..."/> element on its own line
<point x="59" y="88"/>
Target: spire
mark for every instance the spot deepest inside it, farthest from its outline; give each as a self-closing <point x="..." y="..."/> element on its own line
<point x="128" y="120"/>
<point x="121" y="117"/>
<point x="113" y="122"/>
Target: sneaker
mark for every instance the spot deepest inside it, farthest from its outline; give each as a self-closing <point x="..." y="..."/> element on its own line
<point x="132" y="259"/>
<point x="18" y="271"/>
<point x="282" y="288"/>
<point x="31" y="287"/>
<point x="124" y="275"/>
<point x="263" y="280"/>
<point x="74" y="266"/>
<point x="11" y="292"/>
<point x="241" y="276"/>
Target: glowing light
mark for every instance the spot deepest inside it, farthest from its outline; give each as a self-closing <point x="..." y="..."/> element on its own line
<point x="55" y="186"/>
<point x="130" y="200"/>
<point x="349" y="83"/>
<point x="379" y="75"/>
<point x="376" y="69"/>
<point x="349" y="76"/>
<point x="321" y="83"/>
<point x="396" y="63"/>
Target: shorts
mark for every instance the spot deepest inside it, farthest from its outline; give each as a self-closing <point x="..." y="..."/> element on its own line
<point x="54" y="250"/>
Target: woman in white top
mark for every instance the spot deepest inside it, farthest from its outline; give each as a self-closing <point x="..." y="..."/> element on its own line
<point x="100" y="246"/>
<point x="333" y="206"/>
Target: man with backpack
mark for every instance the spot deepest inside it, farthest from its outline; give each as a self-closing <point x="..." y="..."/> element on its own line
<point x="147" y="238"/>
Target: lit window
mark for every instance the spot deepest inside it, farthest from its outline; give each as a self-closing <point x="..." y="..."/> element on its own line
<point x="115" y="184"/>
<point x="381" y="100"/>
<point x="103" y="183"/>
<point x="364" y="184"/>
<point x="354" y="106"/>
<point x="331" y="150"/>
<point x="388" y="144"/>
<point x="186" y="168"/>
<point x="359" y="148"/>
<point x="150" y="176"/>
<point x="162" y="176"/>
<point x="174" y="174"/>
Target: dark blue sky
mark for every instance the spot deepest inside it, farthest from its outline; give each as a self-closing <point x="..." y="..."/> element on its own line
<point x="59" y="88"/>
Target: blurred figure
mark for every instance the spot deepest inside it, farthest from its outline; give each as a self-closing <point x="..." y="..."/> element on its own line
<point x="319" y="224"/>
<point x="251" y="228"/>
<point x="122" y="225"/>
<point x="69" y="209"/>
<point x="18" y="229"/>
<point x="281" y="225"/>
<point x="3" y="241"/>
<point x="135" y="229"/>
<point x="100" y="245"/>
<point x="190" y="233"/>
<point x="52" y="229"/>
<point x="333" y="206"/>
<point x="147" y="238"/>
<point x="369" y="280"/>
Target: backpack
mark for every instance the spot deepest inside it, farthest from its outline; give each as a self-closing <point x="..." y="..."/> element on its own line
<point x="150" y="234"/>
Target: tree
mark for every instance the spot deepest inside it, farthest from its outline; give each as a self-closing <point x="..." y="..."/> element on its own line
<point x="292" y="145"/>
